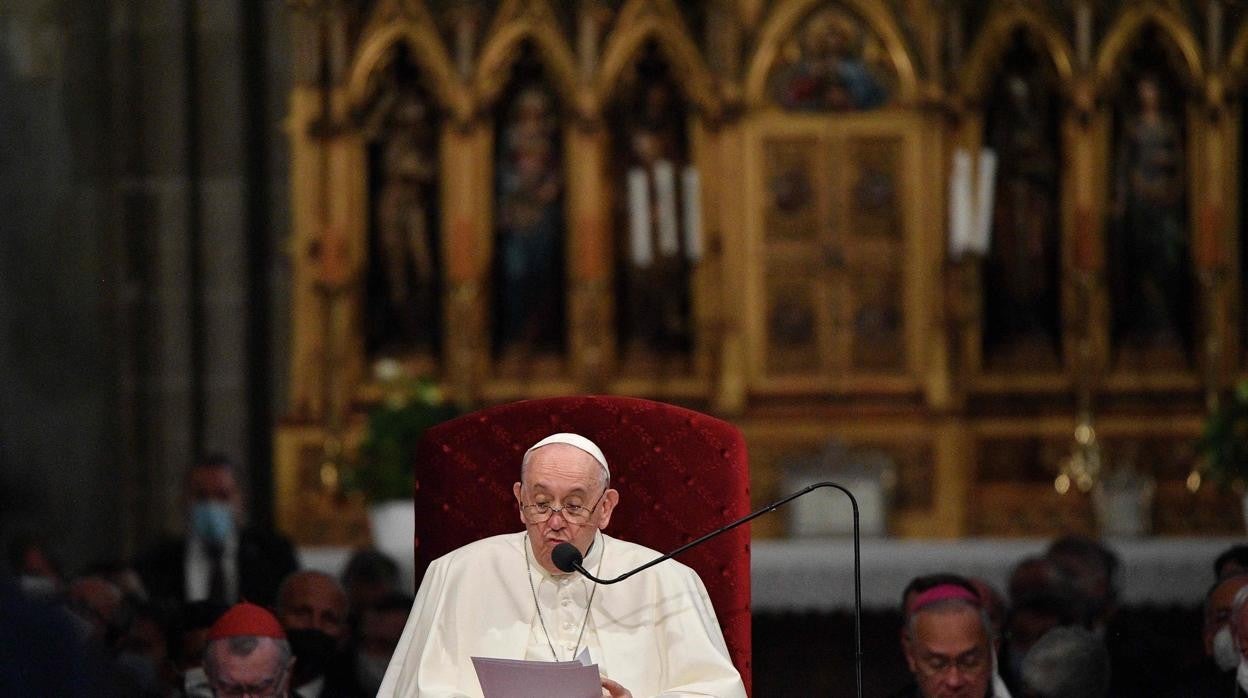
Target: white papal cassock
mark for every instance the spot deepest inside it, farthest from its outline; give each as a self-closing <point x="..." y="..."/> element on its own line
<point x="655" y="633"/>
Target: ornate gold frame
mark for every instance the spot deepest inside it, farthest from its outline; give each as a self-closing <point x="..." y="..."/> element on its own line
<point x="785" y="17"/>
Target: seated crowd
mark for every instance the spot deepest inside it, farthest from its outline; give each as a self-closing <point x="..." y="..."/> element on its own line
<point x="224" y="611"/>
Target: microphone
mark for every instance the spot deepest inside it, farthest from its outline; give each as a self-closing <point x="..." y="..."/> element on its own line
<point x="566" y="557"/>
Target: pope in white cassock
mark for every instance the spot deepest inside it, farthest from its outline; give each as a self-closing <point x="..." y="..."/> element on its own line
<point x="654" y="634"/>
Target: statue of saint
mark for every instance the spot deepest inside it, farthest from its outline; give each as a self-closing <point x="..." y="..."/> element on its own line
<point x="1021" y="299"/>
<point x="1152" y="284"/>
<point x="530" y="223"/>
<point x="404" y="273"/>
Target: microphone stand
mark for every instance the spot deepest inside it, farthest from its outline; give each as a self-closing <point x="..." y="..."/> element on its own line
<point x="576" y="564"/>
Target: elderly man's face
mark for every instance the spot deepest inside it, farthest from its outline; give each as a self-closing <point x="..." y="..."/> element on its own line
<point x="313" y="601"/>
<point x="560" y="475"/>
<point x="260" y="673"/>
<point x="1218" y="613"/>
<point x="949" y="654"/>
<point x="1239" y="630"/>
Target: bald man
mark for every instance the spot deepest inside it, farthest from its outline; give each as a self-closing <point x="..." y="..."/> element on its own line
<point x="312" y="607"/>
<point x="504" y="597"/>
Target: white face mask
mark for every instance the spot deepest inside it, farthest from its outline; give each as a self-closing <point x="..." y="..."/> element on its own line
<point x="1224" y="653"/>
<point x="1241" y="675"/>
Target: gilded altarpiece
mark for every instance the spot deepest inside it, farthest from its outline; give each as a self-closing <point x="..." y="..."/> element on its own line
<point x="745" y="207"/>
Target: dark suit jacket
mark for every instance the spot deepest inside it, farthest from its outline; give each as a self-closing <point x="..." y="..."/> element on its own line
<point x="264" y="559"/>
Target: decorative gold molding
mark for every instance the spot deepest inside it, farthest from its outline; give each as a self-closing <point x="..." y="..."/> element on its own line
<point x="429" y="51"/>
<point x="1237" y="58"/>
<point x="640" y="21"/>
<point x="784" y="20"/>
<point x="517" y="21"/>
<point x="1123" y="32"/>
<point x="994" y="39"/>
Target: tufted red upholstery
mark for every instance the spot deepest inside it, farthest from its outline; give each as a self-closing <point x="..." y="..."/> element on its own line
<point x="680" y="474"/>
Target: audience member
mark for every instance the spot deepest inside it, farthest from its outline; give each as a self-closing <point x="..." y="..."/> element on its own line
<point x="1093" y="569"/>
<point x="37" y="572"/>
<point x="144" y="652"/>
<point x="247" y="654"/>
<point x="1231" y="563"/>
<point x="1239" y="632"/>
<point x="1042" y="597"/>
<point x="217" y="560"/>
<point x="949" y="643"/>
<point x="370" y="575"/>
<point x="381" y="626"/>
<point x="96" y="605"/>
<point x="312" y="607"/>
<point x="1068" y="662"/>
<point x="39" y="652"/>
<point x="189" y="637"/>
<point x="1214" y="677"/>
<point x="125" y="577"/>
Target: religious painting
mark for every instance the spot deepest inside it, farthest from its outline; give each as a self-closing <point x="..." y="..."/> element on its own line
<point x="875" y="208"/>
<point x="793" y="322"/>
<point x="403" y="280"/>
<point x="791" y="209"/>
<point x="1022" y="327"/>
<point x="658" y="214"/>
<point x="1150" y="268"/>
<point x="878" y="341"/>
<point x="833" y="62"/>
<point x="529" y="288"/>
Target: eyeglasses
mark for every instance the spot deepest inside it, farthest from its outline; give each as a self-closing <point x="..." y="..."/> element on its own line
<point x="967" y="663"/>
<point x="265" y="689"/>
<point x="572" y="513"/>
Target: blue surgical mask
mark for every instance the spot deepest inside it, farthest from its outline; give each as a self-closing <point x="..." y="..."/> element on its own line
<point x="212" y="521"/>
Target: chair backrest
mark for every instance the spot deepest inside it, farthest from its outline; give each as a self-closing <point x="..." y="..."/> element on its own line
<point x="680" y="474"/>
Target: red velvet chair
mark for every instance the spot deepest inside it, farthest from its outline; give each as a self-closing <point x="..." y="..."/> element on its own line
<point x="680" y="474"/>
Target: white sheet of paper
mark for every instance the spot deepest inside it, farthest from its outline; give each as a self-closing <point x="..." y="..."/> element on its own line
<point x="518" y="678"/>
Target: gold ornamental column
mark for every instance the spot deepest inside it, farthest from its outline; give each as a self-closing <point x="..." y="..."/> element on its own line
<point x="467" y="222"/>
<point x="589" y="254"/>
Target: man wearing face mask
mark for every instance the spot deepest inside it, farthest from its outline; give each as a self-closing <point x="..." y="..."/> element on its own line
<point x="380" y="627"/>
<point x="1215" y="675"/>
<point x="217" y="559"/>
<point x="312" y="607"/>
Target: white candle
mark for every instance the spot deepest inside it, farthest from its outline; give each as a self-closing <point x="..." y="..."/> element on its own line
<point x="691" y="189"/>
<point x="665" y="192"/>
<point x="959" y="203"/>
<point x="639" y="218"/>
<point x="985" y="191"/>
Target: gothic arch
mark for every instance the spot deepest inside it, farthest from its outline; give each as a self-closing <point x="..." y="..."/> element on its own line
<point x="417" y="32"/>
<point x="785" y="19"/>
<point x="641" y="21"/>
<point x="519" y="21"/>
<point x="982" y="62"/>
<point x="1122" y="35"/>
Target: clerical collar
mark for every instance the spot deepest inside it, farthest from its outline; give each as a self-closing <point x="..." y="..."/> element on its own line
<point x="593" y="559"/>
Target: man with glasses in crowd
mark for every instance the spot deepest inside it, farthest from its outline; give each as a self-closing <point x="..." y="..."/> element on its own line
<point x="949" y="644"/>
<point x="247" y="655"/>
<point x="504" y="597"/>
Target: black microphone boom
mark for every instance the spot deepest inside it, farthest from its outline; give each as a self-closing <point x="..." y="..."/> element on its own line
<point x="567" y="558"/>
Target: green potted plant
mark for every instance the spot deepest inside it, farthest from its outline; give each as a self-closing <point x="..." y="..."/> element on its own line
<point x="1224" y="444"/>
<point x="385" y="470"/>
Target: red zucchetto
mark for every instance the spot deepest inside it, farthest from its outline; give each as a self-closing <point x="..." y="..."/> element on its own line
<point x="246" y="619"/>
